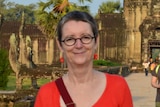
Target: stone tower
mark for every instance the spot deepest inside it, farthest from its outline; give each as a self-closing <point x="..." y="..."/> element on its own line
<point x="150" y="32"/>
<point x="135" y="11"/>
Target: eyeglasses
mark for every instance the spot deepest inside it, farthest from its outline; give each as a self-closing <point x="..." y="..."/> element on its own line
<point x="69" y="41"/>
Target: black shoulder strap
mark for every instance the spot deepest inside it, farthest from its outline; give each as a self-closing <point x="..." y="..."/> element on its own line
<point x="64" y="93"/>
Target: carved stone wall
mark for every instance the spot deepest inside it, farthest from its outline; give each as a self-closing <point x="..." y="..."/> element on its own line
<point x="45" y="50"/>
<point x="132" y="35"/>
<point x="150" y="31"/>
<point x="112" y="44"/>
<point x="135" y="12"/>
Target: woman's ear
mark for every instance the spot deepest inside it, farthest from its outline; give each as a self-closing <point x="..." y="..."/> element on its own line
<point x="59" y="45"/>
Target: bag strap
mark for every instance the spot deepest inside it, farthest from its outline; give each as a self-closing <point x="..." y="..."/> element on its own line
<point x="64" y="93"/>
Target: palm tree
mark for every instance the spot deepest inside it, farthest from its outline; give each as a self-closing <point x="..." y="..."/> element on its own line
<point x="61" y="7"/>
<point x="49" y="14"/>
<point x="110" y="7"/>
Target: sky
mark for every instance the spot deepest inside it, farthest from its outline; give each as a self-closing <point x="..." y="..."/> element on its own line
<point x="93" y="6"/>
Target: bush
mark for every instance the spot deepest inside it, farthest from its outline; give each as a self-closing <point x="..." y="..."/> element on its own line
<point x="5" y="68"/>
<point x="100" y="63"/>
<point x="105" y="63"/>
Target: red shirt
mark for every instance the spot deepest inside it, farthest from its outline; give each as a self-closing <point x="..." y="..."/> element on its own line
<point x="116" y="94"/>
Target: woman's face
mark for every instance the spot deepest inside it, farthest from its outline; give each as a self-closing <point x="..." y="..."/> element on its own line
<point x="78" y="53"/>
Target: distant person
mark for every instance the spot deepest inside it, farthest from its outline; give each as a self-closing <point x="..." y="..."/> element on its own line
<point x="155" y="82"/>
<point x="146" y="67"/>
<point x="82" y="86"/>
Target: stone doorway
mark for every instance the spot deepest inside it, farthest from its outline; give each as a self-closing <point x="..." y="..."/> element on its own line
<point x="154" y="48"/>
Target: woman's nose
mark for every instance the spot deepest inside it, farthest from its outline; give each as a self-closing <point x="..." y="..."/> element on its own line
<point x="78" y="43"/>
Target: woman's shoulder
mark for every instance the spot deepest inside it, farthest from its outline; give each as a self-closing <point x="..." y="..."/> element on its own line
<point x="50" y="86"/>
<point x="115" y="81"/>
<point x="115" y="78"/>
<point x="112" y="76"/>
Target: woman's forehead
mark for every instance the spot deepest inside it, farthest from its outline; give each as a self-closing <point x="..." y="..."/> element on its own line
<point x="70" y="23"/>
<point x="76" y="27"/>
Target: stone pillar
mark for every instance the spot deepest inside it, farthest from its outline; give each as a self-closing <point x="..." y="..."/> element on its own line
<point x="35" y="51"/>
<point x="50" y="53"/>
<point x="145" y="49"/>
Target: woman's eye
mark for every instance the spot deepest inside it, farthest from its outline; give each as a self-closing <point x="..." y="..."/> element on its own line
<point x="86" y="37"/>
<point x="69" y="39"/>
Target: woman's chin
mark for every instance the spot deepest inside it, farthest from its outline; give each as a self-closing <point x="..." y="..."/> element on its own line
<point x="80" y="62"/>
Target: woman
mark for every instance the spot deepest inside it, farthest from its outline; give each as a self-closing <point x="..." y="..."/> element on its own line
<point x="155" y="80"/>
<point x="87" y="87"/>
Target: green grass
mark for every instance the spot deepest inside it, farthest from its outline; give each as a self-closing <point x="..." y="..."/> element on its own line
<point x="11" y="85"/>
<point x="26" y="83"/>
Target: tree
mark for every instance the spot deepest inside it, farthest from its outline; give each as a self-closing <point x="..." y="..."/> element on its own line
<point x="5" y="68"/>
<point x="12" y="11"/>
<point x="110" y="7"/>
<point x="60" y="7"/>
<point x="48" y="14"/>
<point x="2" y="6"/>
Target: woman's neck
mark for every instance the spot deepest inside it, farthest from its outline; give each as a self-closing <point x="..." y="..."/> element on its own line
<point x="80" y="75"/>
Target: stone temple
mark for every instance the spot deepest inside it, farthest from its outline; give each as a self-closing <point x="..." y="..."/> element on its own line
<point x="130" y="37"/>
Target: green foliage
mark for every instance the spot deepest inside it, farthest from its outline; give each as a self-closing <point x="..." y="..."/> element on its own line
<point x="47" y="18"/>
<point x="5" y="69"/>
<point x="100" y="62"/>
<point x="105" y="63"/>
<point x="110" y="7"/>
<point x="12" y="11"/>
<point x="2" y="6"/>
